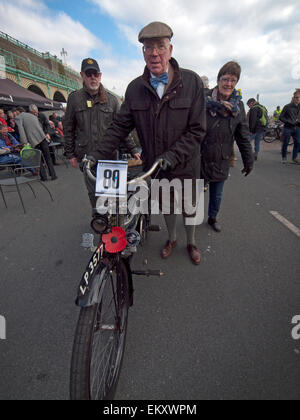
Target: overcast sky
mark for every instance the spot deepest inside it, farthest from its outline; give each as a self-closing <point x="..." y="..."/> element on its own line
<point x="262" y="35"/>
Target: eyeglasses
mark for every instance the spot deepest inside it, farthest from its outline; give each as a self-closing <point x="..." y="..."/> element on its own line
<point x="149" y="49"/>
<point x="90" y="73"/>
<point x="228" y="80"/>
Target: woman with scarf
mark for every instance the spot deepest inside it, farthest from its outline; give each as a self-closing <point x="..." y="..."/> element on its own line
<point x="226" y="122"/>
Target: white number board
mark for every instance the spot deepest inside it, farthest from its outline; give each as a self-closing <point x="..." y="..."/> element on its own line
<point x="111" y="178"/>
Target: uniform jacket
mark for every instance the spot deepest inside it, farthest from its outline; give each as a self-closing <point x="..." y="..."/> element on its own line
<point x="290" y="115"/>
<point x="86" y="121"/>
<point x="217" y="145"/>
<point x="30" y="129"/>
<point x="174" y="125"/>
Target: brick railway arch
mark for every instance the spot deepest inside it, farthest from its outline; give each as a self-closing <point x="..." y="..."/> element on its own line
<point x="59" y="97"/>
<point x="37" y="90"/>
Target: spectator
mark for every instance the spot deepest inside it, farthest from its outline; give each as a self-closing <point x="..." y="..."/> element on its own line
<point x="60" y="129"/>
<point x="12" y="124"/>
<point x="277" y="113"/>
<point x="205" y="81"/>
<point x="258" y="118"/>
<point x="226" y="122"/>
<point x="290" y="116"/>
<point x="54" y="117"/>
<point x="32" y="133"/>
<point x="3" y="121"/>
<point x="7" y="146"/>
<point x="19" y="111"/>
<point x="8" y="140"/>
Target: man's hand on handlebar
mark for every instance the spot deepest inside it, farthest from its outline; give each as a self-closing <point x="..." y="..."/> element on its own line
<point x="167" y="164"/>
<point x="137" y="156"/>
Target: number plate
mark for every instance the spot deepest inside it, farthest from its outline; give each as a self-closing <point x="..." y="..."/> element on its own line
<point x="111" y="178"/>
<point x="94" y="261"/>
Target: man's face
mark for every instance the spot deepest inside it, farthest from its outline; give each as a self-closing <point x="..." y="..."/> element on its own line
<point x="251" y="104"/>
<point x="296" y="98"/>
<point x="91" y="79"/>
<point x="1" y="113"/>
<point x="157" y="53"/>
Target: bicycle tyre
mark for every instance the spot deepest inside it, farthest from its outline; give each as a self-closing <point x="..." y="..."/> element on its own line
<point x="110" y="324"/>
<point x="270" y="136"/>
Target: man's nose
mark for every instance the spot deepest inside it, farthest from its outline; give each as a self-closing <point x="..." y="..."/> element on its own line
<point x="155" y="51"/>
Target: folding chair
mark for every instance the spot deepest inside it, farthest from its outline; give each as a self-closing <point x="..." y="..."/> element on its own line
<point x="16" y="176"/>
<point x="56" y="147"/>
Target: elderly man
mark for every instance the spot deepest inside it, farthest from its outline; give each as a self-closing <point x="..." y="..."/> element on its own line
<point x="31" y="132"/>
<point x="89" y="112"/>
<point x="166" y="106"/>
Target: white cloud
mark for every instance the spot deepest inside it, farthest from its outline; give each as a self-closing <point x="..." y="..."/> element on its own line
<point x="263" y="35"/>
<point x="41" y="29"/>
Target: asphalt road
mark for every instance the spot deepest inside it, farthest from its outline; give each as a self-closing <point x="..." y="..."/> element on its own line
<point x="221" y="330"/>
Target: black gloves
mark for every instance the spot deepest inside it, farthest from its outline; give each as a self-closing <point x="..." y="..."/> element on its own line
<point x="167" y="163"/>
<point x="247" y="170"/>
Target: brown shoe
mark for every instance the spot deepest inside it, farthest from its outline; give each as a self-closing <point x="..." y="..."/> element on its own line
<point x="168" y="249"/>
<point x="195" y="254"/>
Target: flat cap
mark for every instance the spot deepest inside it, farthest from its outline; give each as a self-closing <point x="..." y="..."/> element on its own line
<point x="155" y="30"/>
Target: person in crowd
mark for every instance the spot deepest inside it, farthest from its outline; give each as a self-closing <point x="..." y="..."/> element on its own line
<point x="166" y="106"/>
<point x="258" y="119"/>
<point x="45" y="124"/>
<point x="54" y="117"/>
<point x="8" y="140"/>
<point x="60" y="129"/>
<point x="31" y="132"/>
<point x="226" y="123"/>
<point x="89" y="112"/>
<point x="290" y="116"/>
<point x="3" y="120"/>
<point x="277" y="113"/>
<point x="19" y="111"/>
<point x="205" y="81"/>
<point x="12" y="124"/>
<point x="8" y="147"/>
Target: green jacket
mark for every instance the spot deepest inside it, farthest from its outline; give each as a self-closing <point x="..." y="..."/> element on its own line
<point x="86" y="121"/>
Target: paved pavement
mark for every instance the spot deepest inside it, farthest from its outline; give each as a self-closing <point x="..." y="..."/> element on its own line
<point x="221" y="330"/>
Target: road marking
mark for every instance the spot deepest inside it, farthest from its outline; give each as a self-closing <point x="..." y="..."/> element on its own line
<point x="286" y="223"/>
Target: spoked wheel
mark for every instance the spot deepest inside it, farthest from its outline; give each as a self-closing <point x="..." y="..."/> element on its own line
<point x="270" y="135"/>
<point x="100" y="340"/>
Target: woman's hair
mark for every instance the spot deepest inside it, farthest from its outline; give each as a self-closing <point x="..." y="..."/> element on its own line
<point x="232" y="67"/>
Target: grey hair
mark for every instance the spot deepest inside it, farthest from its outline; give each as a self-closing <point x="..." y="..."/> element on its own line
<point x="33" y="107"/>
<point x="205" y="81"/>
